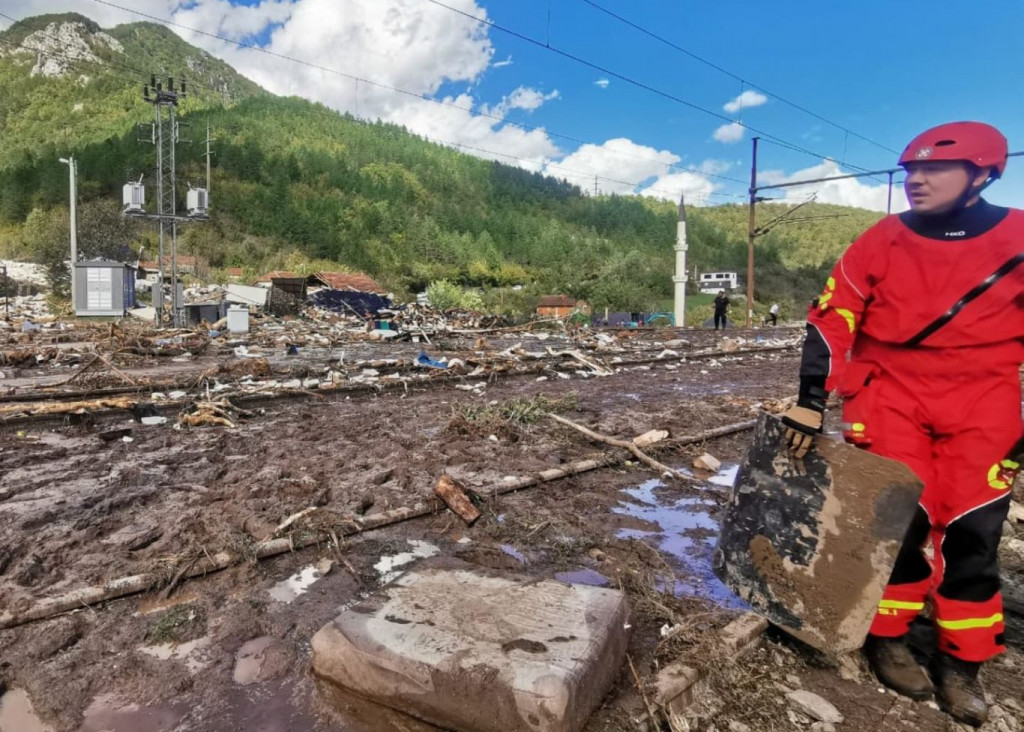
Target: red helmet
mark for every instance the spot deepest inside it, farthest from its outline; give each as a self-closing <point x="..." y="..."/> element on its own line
<point x="973" y="142"/>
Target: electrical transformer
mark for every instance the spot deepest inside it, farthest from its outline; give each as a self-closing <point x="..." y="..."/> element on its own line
<point x="197" y="201"/>
<point x="133" y="197"/>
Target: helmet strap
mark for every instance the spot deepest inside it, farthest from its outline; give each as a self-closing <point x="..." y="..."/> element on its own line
<point x="971" y="192"/>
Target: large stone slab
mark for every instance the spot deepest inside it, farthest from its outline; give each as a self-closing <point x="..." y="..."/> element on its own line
<point x="810" y="543"/>
<point x="479" y="653"/>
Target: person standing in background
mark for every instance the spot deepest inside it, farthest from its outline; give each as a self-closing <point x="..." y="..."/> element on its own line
<point x="721" y="308"/>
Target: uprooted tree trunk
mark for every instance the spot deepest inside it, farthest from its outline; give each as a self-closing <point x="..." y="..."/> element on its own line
<point x="626" y="444"/>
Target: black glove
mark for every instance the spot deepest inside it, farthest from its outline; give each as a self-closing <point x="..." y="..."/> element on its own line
<point x="1016" y="452"/>
<point x="805" y="419"/>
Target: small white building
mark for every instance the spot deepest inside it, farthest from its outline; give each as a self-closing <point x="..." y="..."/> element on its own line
<point x="103" y="288"/>
<point x="713" y="282"/>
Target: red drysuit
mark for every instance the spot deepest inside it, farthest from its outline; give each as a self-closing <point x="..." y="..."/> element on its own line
<point x="932" y="313"/>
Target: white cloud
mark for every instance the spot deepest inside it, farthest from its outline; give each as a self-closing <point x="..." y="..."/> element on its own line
<point x="729" y="133"/>
<point x="406" y="44"/>
<point x="502" y="64"/>
<point x="745" y="100"/>
<point x="624" y="167"/>
<point x="859" y="192"/>
<point x="235" y="21"/>
<point x="521" y="98"/>
<point x="454" y="124"/>
<point x="696" y="188"/>
<point x="623" y="161"/>
<point x="603" y="83"/>
<point x="714" y="167"/>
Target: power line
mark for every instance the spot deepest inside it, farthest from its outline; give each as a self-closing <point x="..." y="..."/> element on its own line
<point x="730" y="74"/>
<point x="628" y="80"/>
<point x="415" y="95"/>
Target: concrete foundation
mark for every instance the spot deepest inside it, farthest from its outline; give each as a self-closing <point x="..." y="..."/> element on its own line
<point x="479" y="653"/>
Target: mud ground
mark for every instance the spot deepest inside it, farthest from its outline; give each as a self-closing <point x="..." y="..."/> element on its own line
<point x="76" y="511"/>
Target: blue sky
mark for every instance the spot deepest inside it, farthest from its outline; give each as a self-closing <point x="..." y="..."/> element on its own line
<point x="884" y="70"/>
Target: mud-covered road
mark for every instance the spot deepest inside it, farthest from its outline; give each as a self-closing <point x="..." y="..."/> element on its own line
<point x="78" y="511"/>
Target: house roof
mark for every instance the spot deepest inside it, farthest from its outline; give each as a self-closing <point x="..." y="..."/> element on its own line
<point x="279" y="274"/>
<point x="556" y="301"/>
<point x="183" y="261"/>
<point x="356" y="281"/>
<point x="102" y="263"/>
<point x="233" y="271"/>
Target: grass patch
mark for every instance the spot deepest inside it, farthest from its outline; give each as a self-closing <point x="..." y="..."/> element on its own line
<point x="179" y="624"/>
<point x="513" y="414"/>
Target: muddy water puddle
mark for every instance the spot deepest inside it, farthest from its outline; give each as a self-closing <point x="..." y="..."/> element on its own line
<point x="688" y="532"/>
<point x="287" y="590"/>
<point x="387" y="566"/>
<point x="108" y="713"/>
<point x="192" y="654"/>
<point x="18" y="715"/>
<point x="514" y="553"/>
<point x="583" y="576"/>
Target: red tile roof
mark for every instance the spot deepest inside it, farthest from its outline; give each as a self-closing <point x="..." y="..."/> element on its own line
<point x="350" y="281"/>
<point x="183" y="261"/>
<point x="233" y="271"/>
<point x="556" y="301"/>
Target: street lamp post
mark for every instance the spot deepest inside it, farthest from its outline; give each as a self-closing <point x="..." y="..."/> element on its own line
<point x="73" y="182"/>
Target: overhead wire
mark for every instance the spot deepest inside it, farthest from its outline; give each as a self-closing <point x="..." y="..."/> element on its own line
<point x="732" y="75"/>
<point x="629" y="80"/>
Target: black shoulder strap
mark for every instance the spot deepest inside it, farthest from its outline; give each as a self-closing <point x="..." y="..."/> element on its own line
<point x="974" y="293"/>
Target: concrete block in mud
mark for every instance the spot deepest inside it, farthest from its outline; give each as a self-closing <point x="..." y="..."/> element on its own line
<point x="810" y="543"/>
<point x="478" y="652"/>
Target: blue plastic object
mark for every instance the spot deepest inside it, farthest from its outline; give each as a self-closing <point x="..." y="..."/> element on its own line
<point x="424" y="360"/>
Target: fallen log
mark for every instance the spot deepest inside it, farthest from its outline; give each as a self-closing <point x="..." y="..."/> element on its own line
<point x="67" y="407"/>
<point x="454" y="496"/>
<point x="628" y="445"/>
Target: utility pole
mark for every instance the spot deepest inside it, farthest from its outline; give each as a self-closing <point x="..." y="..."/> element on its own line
<point x="165" y="129"/>
<point x="679" y="279"/>
<point x="73" y="194"/>
<point x="751" y="234"/>
<point x="208" y="154"/>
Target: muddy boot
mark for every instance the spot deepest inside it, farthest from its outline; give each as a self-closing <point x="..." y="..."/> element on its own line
<point x="960" y="693"/>
<point x="896" y="667"/>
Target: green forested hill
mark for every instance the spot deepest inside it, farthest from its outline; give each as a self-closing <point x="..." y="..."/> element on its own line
<point x="829" y="229"/>
<point x="92" y="86"/>
<point x="294" y="180"/>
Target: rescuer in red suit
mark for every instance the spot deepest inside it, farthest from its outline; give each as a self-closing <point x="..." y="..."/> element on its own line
<point x="920" y="330"/>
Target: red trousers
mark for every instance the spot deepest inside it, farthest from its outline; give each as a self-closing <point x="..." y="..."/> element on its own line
<point x="953" y="431"/>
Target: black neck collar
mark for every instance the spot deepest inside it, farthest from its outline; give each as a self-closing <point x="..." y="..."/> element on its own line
<point x="964" y="223"/>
